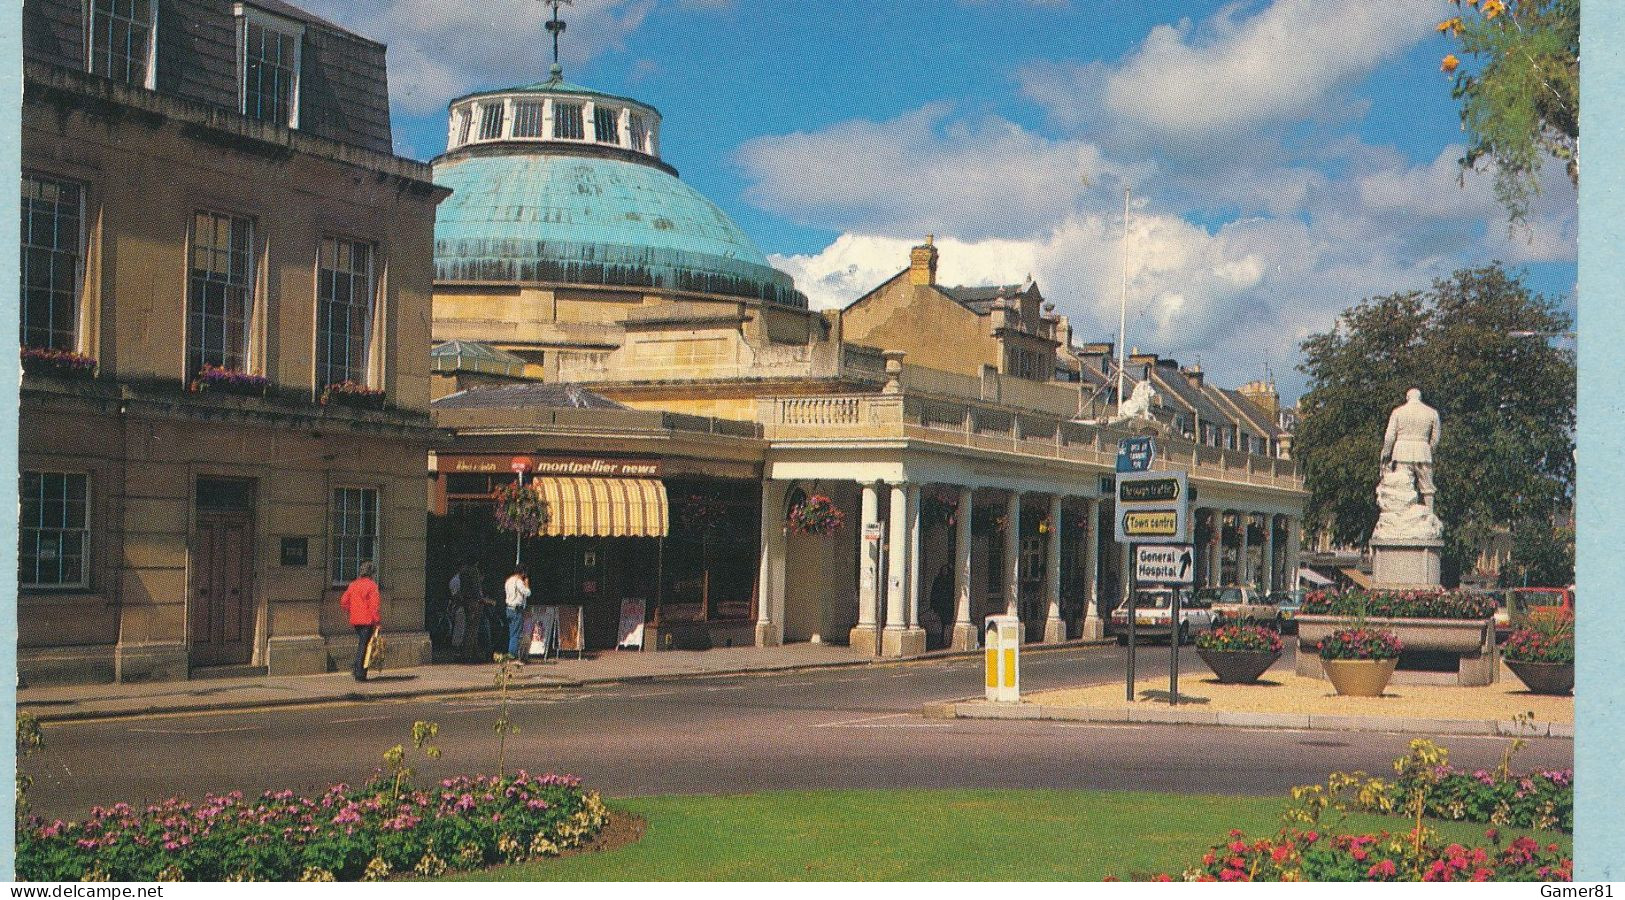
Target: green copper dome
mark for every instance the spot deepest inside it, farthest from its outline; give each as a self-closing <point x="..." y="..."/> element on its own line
<point x="553" y="182"/>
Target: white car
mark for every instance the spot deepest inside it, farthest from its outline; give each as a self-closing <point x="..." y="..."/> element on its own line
<point x="1235" y="604"/>
<point x="1153" y="616"/>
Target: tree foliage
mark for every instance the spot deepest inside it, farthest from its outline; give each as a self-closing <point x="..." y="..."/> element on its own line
<point x="1521" y="101"/>
<point x="1506" y="404"/>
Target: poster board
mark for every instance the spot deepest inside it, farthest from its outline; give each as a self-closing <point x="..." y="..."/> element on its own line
<point x="572" y="634"/>
<point x="630" y="632"/>
<point x="541" y="631"/>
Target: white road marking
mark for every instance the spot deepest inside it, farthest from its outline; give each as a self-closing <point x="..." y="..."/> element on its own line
<point x="195" y="731"/>
<point x="650" y="694"/>
<point x="860" y="721"/>
<point x="734" y="688"/>
<point x="362" y="719"/>
<point x="1100" y="726"/>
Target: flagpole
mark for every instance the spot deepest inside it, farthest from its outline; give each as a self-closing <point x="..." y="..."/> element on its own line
<point x="1122" y="311"/>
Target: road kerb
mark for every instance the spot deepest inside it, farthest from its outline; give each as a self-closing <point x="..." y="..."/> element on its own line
<point x="1289" y="721"/>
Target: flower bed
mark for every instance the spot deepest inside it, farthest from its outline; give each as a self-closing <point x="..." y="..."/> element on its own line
<point x="1308" y="855"/>
<point x="344" y="834"/>
<point x="1239" y="639"/>
<point x="1400" y="604"/>
<point x="1360" y="643"/>
<point x="1541" y="799"/>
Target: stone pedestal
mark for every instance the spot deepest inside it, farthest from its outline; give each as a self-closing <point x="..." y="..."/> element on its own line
<point x="1405" y="565"/>
<point x="1094" y="628"/>
<point x="966" y="636"/>
<point x="865" y="639"/>
<point x="768" y="635"/>
<point x="1054" y="631"/>
<point x="902" y="642"/>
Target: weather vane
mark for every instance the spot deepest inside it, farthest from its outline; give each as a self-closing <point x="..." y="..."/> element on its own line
<point x="555" y="26"/>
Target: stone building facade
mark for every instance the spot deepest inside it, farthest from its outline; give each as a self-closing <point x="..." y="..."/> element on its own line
<point x="225" y="305"/>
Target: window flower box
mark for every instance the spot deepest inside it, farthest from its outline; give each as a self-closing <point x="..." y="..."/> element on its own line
<point x="58" y="363"/>
<point x="349" y="393"/>
<point x="218" y="379"/>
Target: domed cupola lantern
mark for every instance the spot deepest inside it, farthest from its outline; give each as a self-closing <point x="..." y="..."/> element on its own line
<point x="555" y="182"/>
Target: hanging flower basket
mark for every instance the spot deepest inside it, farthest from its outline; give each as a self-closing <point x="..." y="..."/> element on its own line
<point x="229" y="381"/>
<point x="940" y="510"/>
<point x="816" y="514"/>
<point x="698" y="512"/>
<point x="61" y="363"/>
<point x="520" y="509"/>
<point x="349" y="393"/>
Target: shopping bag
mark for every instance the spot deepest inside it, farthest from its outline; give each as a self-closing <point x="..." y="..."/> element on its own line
<point x="374" y="658"/>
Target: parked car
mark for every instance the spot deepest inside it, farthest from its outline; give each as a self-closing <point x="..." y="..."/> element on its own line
<point x="1153" y="616"/>
<point x="1288" y="605"/>
<point x="1237" y="603"/>
<point x="1526" y="603"/>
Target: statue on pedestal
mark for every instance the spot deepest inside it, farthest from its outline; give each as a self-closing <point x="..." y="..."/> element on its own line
<point x="1405" y="493"/>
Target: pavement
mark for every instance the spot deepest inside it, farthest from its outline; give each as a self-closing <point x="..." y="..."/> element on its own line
<point x="1283" y="699"/>
<point x="71" y="703"/>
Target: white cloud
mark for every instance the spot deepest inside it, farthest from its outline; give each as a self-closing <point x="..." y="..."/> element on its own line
<point x="1234" y="72"/>
<point x="925" y="171"/>
<point x="440" y="50"/>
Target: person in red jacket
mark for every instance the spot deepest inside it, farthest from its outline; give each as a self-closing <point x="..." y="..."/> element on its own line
<point x="361" y="601"/>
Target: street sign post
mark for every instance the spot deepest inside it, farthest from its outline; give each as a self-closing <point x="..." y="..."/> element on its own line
<point x="1153" y="508"/>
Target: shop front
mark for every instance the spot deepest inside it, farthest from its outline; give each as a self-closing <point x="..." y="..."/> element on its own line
<point x="624" y="540"/>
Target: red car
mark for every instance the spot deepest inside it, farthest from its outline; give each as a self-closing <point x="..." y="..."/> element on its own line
<point x="1525" y="603"/>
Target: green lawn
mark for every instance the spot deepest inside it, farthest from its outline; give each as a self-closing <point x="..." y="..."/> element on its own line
<point x="965" y="835"/>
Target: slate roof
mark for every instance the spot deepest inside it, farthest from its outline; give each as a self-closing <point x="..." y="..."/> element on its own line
<point x="530" y="395"/>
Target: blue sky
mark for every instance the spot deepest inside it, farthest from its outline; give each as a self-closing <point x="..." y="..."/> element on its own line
<point x="1287" y="157"/>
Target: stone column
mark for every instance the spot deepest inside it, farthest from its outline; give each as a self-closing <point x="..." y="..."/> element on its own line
<point x="1244" y="522"/>
<point x="1215" y="550"/>
<point x="900" y="637"/>
<point x="770" y="575"/>
<point x="1012" y="554"/>
<point x="865" y="635"/>
<point x="1054" y="625"/>
<point x="911" y="616"/>
<point x="1269" y="553"/>
<point x="965" y="633"/>
<point x="1293" y="540"/>
<point x="1093" y="625"/>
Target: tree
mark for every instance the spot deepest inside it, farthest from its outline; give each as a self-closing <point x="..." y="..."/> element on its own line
<point x="1506" y="403"/>
<point x="1523" y="101"/>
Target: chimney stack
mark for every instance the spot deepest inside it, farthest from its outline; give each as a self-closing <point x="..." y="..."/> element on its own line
<point x="922" y="263"/>
<point x="1263" y="395"/>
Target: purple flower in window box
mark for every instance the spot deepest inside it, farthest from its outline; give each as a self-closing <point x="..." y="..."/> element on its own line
<point x="350" y="393"/>
<point x="51" y="361"/>
<point x="229" y="381"/>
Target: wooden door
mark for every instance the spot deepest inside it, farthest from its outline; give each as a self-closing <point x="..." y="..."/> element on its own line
<point x="222" y="606"/>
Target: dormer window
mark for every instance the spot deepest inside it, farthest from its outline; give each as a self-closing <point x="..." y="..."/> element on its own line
<point x="606" y="125"/>
<point x="122" y="36"/>
<point x="268" y="50"/>
<point x="567" y="124"/>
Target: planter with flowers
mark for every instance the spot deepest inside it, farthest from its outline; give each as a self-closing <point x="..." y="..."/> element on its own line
<point x="1239" y="654"/>
<point x="350" y="393"/>
<point x="1430" y="623"/>
<point x="1541" y="654"/>
<point x="1359" y="661"/>
<point x="217" y="379"/>
<point x="815" y="514"/>
<point x="58" y="363"/>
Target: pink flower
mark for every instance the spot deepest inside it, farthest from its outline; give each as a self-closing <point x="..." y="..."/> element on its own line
<point x="1384" y="869"/>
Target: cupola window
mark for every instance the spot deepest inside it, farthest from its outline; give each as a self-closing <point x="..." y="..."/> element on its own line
<point x="567" y="124"/>
<point x="491" y="121"/>
<point x="527" y="119"/>
<point x="465" y="122"/>
<point x="639" y="127"/>
<point x="606" y="125"/>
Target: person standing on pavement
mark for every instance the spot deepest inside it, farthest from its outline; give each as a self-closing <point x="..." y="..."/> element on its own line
<point x="362" y="601"/>
<point x="517" y="594"/>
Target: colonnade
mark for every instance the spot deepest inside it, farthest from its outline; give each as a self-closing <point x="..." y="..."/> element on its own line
<point x="1278" y="559"/>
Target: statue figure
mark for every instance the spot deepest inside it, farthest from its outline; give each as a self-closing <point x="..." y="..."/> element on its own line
<point x="1405" y="492"/>
<point x="1139" y="403"/>
<point x="1413" y="432"/>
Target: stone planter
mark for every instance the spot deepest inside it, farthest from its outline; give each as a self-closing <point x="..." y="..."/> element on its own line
<point x="1359" y="677"/>
<point x="1239" y="666"/>
<point x="1470" y="641"/>
<point x="1544" y="678"/>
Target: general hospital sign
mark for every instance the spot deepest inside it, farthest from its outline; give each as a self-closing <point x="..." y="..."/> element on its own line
<point x="580" y="466"/>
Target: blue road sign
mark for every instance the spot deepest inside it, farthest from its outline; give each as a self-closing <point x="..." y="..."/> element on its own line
<point x="1135" y="454"/>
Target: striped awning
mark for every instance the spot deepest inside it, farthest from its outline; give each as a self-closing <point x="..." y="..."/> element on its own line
<point x="604" y="507"/>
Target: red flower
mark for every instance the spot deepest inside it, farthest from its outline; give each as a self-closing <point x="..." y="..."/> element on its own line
<point x="1384" y="869"/>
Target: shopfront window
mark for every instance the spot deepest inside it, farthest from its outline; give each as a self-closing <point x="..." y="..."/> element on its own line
<point x="710" y="554"/>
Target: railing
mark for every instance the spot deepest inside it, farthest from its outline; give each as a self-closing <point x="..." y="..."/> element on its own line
<point x="982" y="427"/>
